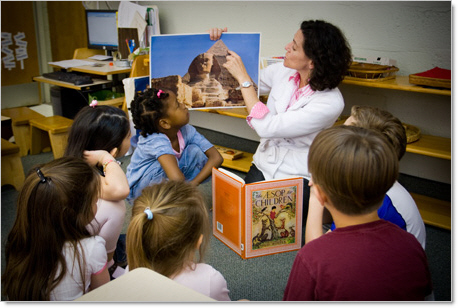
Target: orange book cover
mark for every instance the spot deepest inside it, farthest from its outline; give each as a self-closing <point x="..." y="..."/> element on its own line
<point x="259" y="218"/>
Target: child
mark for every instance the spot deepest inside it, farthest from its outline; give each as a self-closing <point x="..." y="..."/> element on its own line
<point x="168" y="148"/>
<point x="99" y="134"/>
<point x="169" y="224"/>
<point x="50" y="254"/>
<point x="398" y="205"/>
<point x="364" y="258"/>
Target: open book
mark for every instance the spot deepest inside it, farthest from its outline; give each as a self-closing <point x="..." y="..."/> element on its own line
<point x="259" y="218"/>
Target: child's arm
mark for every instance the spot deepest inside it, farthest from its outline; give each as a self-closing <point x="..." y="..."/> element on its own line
<point x="214" y="160"/>
<point x="114" y="185"/>
<point x="99" y="279"/>
<point x="171" y="168"/>
<point x="314" y="226"/>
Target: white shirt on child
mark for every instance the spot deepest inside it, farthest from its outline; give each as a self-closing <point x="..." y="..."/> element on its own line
<point x="95" y="256"/>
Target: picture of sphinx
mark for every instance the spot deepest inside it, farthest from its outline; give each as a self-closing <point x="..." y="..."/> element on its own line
<point x="206" y="83"/>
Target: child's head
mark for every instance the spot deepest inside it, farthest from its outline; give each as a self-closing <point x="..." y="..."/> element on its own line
<point x="57" y="201"/>
<point x="381" y="121"/>
<point x="154" y="111"/>
<point x="99" y="128"/>
<point x="354" y="167"/>
<point x="178" y="225"/>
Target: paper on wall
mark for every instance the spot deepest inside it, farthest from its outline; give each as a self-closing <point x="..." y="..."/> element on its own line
<point x="126" y="13"/>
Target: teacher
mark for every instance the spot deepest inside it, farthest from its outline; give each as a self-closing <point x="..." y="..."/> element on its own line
<point x="303" y="100"/>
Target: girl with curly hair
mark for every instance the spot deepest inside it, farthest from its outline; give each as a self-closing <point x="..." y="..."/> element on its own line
<point x="168" y="147"/>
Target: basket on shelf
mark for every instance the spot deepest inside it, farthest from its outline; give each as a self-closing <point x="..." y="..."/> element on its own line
<point x="412" y="132"/>
<point x="371" y="72"/>
<point x="436" y="77"/>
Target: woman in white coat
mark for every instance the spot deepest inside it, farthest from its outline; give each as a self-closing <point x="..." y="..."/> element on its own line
<point x="303" y="100"/>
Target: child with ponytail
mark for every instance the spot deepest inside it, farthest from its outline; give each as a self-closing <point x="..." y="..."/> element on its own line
<point x="50" y="254"/>
<point x="169" y="224"/>
<point x="100" y="134"/>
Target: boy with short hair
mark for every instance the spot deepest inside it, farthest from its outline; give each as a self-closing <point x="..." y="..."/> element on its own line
<point x="365" y="258"/>
<point x="398" y="206"/>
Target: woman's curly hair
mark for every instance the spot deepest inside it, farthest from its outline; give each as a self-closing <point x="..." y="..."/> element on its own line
<point x="147" y="109"/>
<point x="330" y="52"/>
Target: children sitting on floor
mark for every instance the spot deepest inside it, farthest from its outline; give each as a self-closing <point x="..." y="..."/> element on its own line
<point x="168" y="148"/>
<point x="364" y="258"/>
<point x="50" y="254"/>
<point x="398" y="205"/>
<point x="169" y="225"/>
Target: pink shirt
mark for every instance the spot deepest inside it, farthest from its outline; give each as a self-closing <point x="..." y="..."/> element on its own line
<point x="260" y="109"/>
<point x="181" y="144"/>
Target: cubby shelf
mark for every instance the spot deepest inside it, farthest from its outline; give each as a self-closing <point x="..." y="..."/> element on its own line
<point x="434" y="211"/>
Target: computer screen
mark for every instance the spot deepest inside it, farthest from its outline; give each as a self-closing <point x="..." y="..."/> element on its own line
<point x="102" y="31"/>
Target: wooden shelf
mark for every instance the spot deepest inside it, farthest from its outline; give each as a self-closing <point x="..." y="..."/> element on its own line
<point x="398" y="83"/>
<point x="433" y="146"/>
<point x="427" y="145"/>
<point x="434" y="212"/>
<point x="242" y="164"/>
<point x="231" y="112"/>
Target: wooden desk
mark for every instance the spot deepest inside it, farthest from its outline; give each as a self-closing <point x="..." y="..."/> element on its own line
<point x="144" y="285"/>
<point x="104" y="70"/>
<point x="97" y="85"/>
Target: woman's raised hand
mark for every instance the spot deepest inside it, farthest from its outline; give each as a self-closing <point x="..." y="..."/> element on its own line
<point x="236" y="67"/>
<point x="215" y="33"/>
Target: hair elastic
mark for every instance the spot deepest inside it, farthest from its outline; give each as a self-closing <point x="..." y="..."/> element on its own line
<point x="41" y="176"/>
<point x="148" y="213"/>
<point x="94" y="103"/>
<point x="159" y="93"/>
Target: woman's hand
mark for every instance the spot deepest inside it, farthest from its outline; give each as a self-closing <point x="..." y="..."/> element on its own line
<point x="215" y="33"/>
<point x="236" y="67"/>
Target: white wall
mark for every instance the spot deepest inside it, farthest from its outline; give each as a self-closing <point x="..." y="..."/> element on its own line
<point x="415" y="33"/>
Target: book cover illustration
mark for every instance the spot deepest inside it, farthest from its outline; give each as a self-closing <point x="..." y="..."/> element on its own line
<point x="275" y="218"/>
<point x="259" y="218"/>
<point x="191" y="65"/>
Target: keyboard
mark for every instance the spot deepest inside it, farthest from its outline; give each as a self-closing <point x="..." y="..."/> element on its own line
<point x="69" y="77"/>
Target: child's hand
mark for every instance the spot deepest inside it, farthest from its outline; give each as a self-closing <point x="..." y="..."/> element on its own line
<point x="96" y="158"/>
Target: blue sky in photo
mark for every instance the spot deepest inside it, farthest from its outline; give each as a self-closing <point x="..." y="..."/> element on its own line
<point x="172" y="54"/>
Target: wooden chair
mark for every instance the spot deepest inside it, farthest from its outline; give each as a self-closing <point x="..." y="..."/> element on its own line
<point x="84" y="53"/>
<point x="12" y="170"/>
<point x="49" y="131"/>
<point x="20" y="118"/>
<point x="140" y="67"/>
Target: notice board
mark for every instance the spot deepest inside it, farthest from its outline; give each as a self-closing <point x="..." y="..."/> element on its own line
<point x="19" y="45"/>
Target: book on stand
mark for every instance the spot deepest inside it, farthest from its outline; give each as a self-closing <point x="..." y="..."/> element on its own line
<point x="259" y="218"/>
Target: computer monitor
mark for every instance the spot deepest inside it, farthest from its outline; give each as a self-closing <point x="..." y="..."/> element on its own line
<point x="102" y="31"/>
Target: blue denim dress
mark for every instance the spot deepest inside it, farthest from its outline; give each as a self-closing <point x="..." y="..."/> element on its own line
<point x="144" y="168"/>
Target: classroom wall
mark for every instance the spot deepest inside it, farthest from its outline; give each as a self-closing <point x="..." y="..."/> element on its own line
<point x="415" y="33"/>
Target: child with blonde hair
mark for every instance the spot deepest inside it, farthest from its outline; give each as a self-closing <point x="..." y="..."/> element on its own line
<point x="169" y="225"/>
<point x="50" y="254"/>
<point x="168" y="147"/>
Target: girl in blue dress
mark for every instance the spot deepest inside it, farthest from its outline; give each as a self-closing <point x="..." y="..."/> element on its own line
<point x="168" y="147"/>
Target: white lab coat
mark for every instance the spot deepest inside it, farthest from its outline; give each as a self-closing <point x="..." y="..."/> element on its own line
<point x="286" y="135"/>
